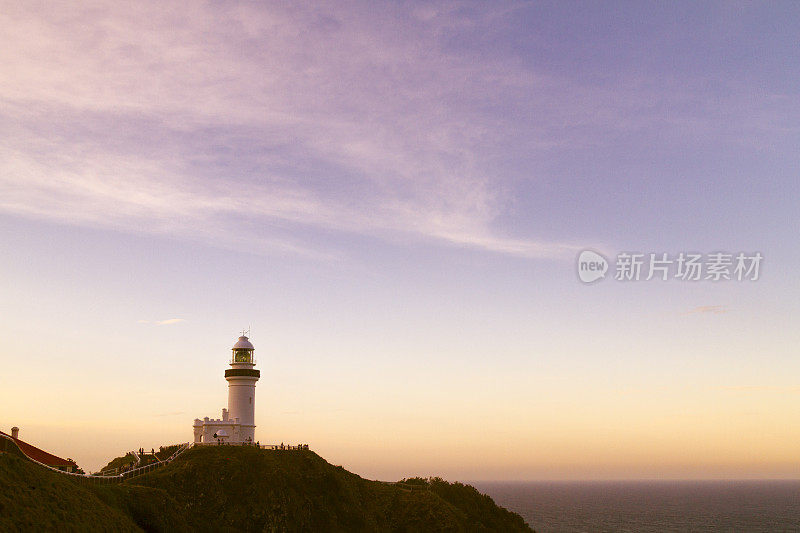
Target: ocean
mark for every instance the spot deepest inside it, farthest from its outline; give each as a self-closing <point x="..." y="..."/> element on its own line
<point x="652" y="506"/>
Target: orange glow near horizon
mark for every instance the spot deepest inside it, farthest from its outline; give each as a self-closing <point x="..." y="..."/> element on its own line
<point x="713" y="433"/>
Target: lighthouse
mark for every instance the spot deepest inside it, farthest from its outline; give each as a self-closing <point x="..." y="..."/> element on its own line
<point x="237" y="425"/>
<point x="242" y="379"/>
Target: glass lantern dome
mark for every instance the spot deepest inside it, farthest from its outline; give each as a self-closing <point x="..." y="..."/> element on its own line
<point x="243" y="351"/>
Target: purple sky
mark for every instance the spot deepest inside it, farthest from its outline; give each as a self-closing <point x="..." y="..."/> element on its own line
<point x="392" y="196"/>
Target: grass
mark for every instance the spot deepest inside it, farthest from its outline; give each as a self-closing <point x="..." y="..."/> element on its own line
<point x="244" y="489"/>
<point x="35" y="499"/>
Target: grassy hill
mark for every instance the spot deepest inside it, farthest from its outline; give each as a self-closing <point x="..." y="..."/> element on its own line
<point x="34" y="499"/>
<point x="244" y="489"/>
<point x="118" y="463"/>
<point x="129" y="461"/>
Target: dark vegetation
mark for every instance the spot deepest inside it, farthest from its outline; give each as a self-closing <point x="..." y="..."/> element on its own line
<point x="128" y="460"/>
<point x="243" y="489"/>
<point x="35" y="499"/>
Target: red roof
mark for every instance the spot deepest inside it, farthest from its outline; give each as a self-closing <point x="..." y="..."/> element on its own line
<point x="40" y="455"/>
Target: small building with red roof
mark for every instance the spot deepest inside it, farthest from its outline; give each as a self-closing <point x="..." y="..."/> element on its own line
<point x="41" y="456"/>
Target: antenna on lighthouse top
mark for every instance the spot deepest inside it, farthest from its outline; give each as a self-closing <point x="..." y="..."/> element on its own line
<point x="246" y="332"/>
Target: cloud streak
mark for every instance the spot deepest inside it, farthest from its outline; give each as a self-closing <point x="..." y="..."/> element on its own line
<point x="754" y="389"/>
<point x="167" y="322"/>
<point x="262" y="126"/>
<point x="708" y="310"/>
<point x="210" y="123"/>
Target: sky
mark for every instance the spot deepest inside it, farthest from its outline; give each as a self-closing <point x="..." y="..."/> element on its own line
<point x="392" y="196"/>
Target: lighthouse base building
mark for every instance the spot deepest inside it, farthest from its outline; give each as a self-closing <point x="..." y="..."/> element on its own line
<point x="218" y="430"/>
<point x="237" y="425"/>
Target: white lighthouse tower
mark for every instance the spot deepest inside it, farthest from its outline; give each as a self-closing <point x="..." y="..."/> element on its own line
<point x="242" y="379"/>
<point x="237" y="425"/>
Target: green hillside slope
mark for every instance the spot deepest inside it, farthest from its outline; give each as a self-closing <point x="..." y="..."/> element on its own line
<point x="246" y="489"/>
<point x="34" y="499"/>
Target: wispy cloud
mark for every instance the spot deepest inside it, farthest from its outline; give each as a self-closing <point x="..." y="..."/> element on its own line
<point x="761" y="388"/>
<point x="255" y="125"/>
<point x="170" y="321"/>
<point x="707" y="309"/>
<point x="265" y="126"/>
<point x="167" y="322"/>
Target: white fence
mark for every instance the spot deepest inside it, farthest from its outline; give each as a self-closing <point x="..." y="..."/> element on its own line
<point x="114" y="478"/>
<point x="137" y="471"/>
